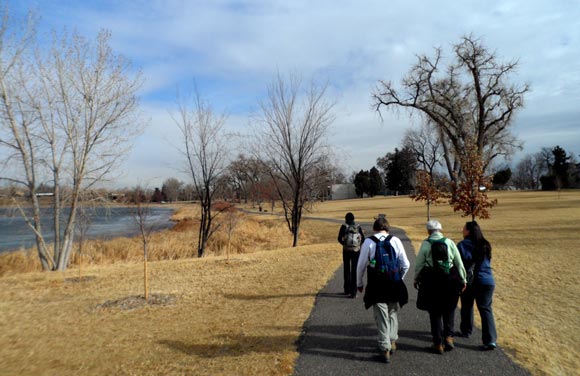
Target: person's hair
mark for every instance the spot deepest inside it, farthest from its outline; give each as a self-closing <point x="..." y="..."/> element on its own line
<point x="434" y="225"/>
<point x="349" y="217"/>
<point x="381" y="224"/>
<point x="482" y="248"/>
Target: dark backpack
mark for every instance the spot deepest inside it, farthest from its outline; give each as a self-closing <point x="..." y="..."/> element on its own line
<point x="386" y="262"/>
<point x="443" y="270"/>
<point x="440" y="256"/>
<point x="352" y="238"/>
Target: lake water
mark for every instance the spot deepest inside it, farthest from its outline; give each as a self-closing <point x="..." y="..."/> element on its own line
<point x="105" y="223"/>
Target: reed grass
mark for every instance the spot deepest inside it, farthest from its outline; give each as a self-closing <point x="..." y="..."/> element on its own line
<point x="180" y="242"/>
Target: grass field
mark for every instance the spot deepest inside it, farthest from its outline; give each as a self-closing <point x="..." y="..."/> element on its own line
<point x="243" y="315"/>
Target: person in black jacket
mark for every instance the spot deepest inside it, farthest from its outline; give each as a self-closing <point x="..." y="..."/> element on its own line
<point x="351" y="236"/>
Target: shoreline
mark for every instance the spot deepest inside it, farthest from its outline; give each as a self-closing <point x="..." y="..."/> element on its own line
<point x="102" y="229"/>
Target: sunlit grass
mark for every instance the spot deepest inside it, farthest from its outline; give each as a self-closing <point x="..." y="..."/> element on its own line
<point x="536" y="264"/>
<point x="244" y="315"/>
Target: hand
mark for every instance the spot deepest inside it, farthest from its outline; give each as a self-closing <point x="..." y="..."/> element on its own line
<point x="360" y="289"/>
<point x="464" y="287"/>
<point x="416" y="285"/>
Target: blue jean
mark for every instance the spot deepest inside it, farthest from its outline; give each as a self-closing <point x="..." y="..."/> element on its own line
<point x="483" y="297"/>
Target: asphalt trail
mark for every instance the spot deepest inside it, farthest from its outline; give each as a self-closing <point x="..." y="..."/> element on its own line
<point x="339" y="338"/>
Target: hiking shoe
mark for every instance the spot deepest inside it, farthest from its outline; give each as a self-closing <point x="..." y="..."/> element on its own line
<point x="386" y="356"/>
<point x="393" y="347"/>
<point x="437" y="349"/>
<point x="462" y="335"/>
<point x="489" y="346"/>
<point x="449" y="344"/>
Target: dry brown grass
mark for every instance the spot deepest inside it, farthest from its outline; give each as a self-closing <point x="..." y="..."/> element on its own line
<point x="236" y="317"/>
<point x="252" y="233"/>
<point x="242" y="316"/>
<point x="536" y="265"/>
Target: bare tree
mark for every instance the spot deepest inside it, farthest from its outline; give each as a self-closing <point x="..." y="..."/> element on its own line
<point x="230" y="220"/>
<point x="142" y="217"/>
<point x="244" y="174"/>
<point x="205" y="153"/>
<point x="291" y="133"/>
<point x="17" y="125"/>
<point x="425" y="143"/>
<point x="546" y="158"/>
<point x="529" y="170"/>
<point x="171" y="188"/>
<point x="470" y="98"/>
<point x="67" y="116"/>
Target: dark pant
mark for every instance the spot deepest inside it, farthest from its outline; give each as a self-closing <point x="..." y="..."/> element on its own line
<point x="483" y="296"/>
<point x="442" y="323"/>
<point x="350" y="260"/>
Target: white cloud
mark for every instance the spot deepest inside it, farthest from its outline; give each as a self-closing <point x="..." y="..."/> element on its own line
<point x="232" y="48"/>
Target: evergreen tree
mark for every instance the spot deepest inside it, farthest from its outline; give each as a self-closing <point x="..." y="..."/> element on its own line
<point x="399" y="167"/>
<point x="361" y="183"/>
<point x="501" y="177"/>
<point x="375" y="182"/>
<point x="561" y="167"/>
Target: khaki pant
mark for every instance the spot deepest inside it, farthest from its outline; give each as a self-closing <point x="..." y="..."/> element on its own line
<point x="387" y="324"/>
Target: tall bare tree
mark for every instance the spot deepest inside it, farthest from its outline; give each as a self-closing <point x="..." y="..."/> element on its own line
<point x="471" y="97"/>
<point x="205" y="153"/>
<point x="244" y="174"/>
<point x="425" y="143"/>
<point x="291" y="132"/>
<point x="67" y="116"/>
<point x="171" y="188"/>
<point x="20" y="163"/>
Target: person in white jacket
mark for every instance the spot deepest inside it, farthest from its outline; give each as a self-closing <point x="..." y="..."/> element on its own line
<point x="383" y="294"/>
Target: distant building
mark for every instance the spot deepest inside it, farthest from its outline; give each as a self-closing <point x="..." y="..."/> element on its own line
<point x="116" y="196"/>
<point x="342" y="191"/>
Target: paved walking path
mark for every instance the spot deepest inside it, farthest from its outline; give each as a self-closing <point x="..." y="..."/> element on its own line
<point x="340" y="339"/>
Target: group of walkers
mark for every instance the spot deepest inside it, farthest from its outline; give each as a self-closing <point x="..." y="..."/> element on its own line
<point x="443" y="273"/>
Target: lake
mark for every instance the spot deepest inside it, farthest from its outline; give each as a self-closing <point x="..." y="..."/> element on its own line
<point x="105" y="223"/>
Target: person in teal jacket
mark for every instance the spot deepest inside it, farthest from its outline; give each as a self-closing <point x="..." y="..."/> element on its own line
<point x="475" y="253"/>
<point x="442" y="311"/>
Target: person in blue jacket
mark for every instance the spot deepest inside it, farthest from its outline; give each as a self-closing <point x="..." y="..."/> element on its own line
<point x="475" y="253"/>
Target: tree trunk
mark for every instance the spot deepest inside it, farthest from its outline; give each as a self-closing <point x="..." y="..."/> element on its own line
<point x="56" y="214"/>
<point x="145" y="276"/>
<point x="80" y="259"/>
<point x="296" y="212"/>
<point x="68" y="236"/>
<point x="446" y="156"/>
<point x="45" y="260"/>
<point x="295" y="236"/>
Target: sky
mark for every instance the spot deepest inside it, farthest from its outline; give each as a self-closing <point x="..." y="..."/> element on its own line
<point x="233" y="49"/>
